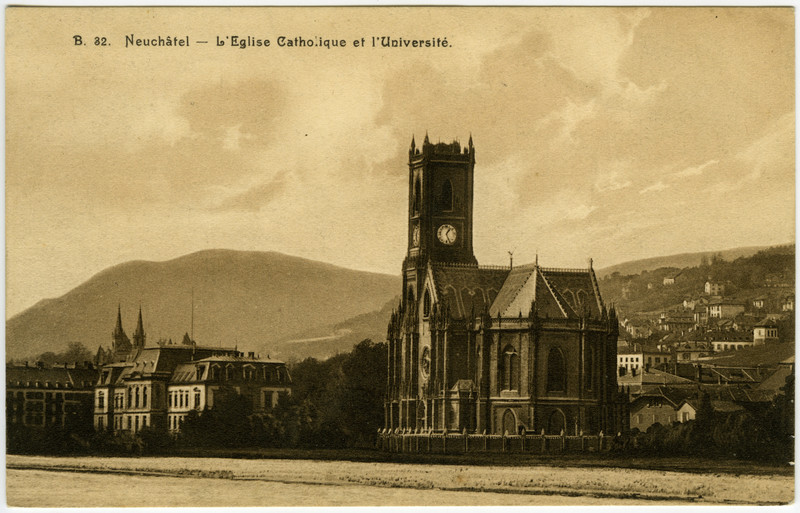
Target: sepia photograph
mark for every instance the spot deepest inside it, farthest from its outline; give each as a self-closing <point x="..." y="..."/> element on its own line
<point x="399" y="256"/>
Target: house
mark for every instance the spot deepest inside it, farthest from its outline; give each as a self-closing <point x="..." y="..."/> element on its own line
<point x="777" y="380"/>
<point x="692" y="350"/>
<point x="638" y="329"/>
<point x="670" y="280"/>
<point x="629" y="361"/>
<point x="657" y="406"/>
<point x="636" y="360"/>
<point x="57" y="396"/>
<point x="688" y="409"/>
<point x="788" y="303"/>
<point x="700" y="314"/>
<point x="759" y="302"/>
<point x="197" y="384"/>
<point x="714" y="289"/>
<point x="765" y="332"/>
<point x="729" y="340"/>
<point x="679" y="322"/>
<point x="724" y="308"/>
<point x="647" y="379"/>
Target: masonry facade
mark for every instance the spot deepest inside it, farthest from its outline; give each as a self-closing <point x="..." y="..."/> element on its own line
<point x="492" y="349"/>
<point x="158" y="386"/>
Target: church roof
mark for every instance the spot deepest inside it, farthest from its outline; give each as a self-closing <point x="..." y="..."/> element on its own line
<point x="559" y="293"/>
<point x="468" y="290"/>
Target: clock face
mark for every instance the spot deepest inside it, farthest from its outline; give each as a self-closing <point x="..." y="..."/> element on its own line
<point x="447" y="234"/>
<point x="415" y="236"/>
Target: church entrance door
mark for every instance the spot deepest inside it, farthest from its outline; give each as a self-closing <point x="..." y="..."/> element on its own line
<point x="509" y="423"/>
<point x="556" y="423"/>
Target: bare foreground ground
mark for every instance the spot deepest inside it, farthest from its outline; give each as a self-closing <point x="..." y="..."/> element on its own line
<point x="149" y="481"/>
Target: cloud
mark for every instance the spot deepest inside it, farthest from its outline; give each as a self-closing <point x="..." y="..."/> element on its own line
<point x="613" y="178"/>
<point x="658" y="186"/>
<point x="253" y="199"/>
<point x="234" y="113"/>
<point x="696" y="170"/>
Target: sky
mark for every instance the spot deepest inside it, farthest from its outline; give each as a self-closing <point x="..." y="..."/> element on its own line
<point x="610" y="133"/>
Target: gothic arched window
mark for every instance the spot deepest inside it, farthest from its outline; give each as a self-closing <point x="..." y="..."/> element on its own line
<point x="410" y="299"/>
<point x="415" y="201"/>
<point x="509" y="369"/>
<point x="426" y="309"/>
<point x="445" y="202"/>
<point x="556" y="371"/>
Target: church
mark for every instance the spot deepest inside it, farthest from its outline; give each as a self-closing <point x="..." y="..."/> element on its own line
<point x="494" y="349"/>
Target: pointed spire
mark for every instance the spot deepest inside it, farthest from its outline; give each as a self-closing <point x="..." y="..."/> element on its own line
<point x="138" y="335"/>
<point x="536" y="262"/>
<point x="118" y="328"/>
<point x="413" y="144"/>
<point x="427" y="141"/>
<point x="470" y="140"/>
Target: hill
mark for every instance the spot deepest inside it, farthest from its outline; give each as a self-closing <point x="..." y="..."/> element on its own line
<point x="249" y="299"/>
<point x="328" y="340"/>
<point x="769" y="273"/>
<point x="679" y="261"/>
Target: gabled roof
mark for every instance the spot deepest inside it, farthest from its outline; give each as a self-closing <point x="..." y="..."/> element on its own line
<point x="467" y="290"/>
<point x="559" y="293"/>
<point x="767" y="323"/>
<point x="64" y="377"/>
<point x="163" y="360"/>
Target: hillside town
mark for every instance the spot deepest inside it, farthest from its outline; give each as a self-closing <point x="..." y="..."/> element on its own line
<point x="732" y="343"/>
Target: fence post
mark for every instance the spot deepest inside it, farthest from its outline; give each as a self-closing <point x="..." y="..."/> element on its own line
<point x="485" y="441"/>
<point x="600" y="442"/>
<point x="523" y="438"/>
<point x="583" y="442"/>
<point x="563" y="441"/>
<point x="444" y="440"/>
<point x="505" y="434"/>
<point x="466" y="440"/>
<point x="430" y="435"/>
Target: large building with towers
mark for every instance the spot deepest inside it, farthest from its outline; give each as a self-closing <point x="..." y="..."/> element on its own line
<point x="492" y="349"/>
<point x="158" y="386"/>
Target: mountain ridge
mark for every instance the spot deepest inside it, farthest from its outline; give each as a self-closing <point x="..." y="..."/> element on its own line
<point x="681" y="260"/>
<point x="244" y="298"/>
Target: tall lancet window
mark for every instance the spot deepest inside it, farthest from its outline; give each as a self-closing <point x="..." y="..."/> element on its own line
<point x="426" y="307"/>
<point x="556" y="371"/>
<point x="415" y="201"/>
<point x="446" y="197"/>
<point x="589" y="369"/>
<point x="509" y="368"/>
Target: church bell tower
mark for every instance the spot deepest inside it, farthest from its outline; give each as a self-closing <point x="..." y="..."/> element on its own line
<point x="440" y="182"/>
